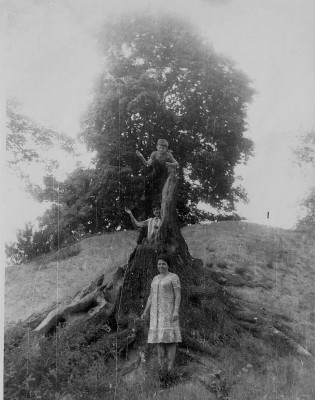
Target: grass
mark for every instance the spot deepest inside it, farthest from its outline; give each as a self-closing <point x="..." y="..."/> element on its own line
<point x="33" y="287"/>
<point x="249" y="371"/>
<point x="278" y="262"/>
<point x="285" y="378"/>
<point x="63" y="254"/>
<point x="241" y="271"/>
<point x="277" y="378"/>
<point x="184" y="391"/>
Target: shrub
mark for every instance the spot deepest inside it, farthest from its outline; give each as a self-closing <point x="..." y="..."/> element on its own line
<point x="29" y="244"/>
<point x="64" y="253"/>
<point x="222" y="264"/>
<point x="241" y="271"/>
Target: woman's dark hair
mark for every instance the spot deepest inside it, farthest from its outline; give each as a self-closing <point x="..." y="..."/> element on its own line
<point x="165" y="258"/>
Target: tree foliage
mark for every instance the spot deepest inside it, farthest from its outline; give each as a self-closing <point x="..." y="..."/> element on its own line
<point x="29" y="244"/>
<point x="162" y="80"/>
<point x="28" y="144"/>
<point x="305" y="154"/>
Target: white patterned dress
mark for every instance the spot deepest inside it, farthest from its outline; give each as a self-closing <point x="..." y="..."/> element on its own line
<point x="162" y="327"/>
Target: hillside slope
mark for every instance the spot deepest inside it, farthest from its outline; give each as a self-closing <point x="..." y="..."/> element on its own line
<point x="33" y="287"/>
<point x="265" y="274"/>
<point x="277" y="265"/>
<point x="270" y="268"/>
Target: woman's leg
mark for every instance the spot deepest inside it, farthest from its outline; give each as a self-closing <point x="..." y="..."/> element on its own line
<point x="171" y="352"/>
<point x="161" y="353"/>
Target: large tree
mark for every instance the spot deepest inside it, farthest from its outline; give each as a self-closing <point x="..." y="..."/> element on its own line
<point x="161" y="79"/>
<point x="305" y="154"/>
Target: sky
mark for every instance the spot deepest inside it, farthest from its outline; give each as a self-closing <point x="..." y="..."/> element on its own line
<point x="52" y="61"/>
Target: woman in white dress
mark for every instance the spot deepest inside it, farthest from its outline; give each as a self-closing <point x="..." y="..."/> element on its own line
<point x="163" y="303"/>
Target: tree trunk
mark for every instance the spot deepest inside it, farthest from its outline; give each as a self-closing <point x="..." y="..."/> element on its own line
<point x="142" y="267"/>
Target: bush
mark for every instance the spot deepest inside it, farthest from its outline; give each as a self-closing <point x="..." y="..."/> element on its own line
<point x="29" y="244"/>
<point x="22" y="367"/>
<point x="64" y="253"/>
<point x="32" y="243"/>
<point x="222" y="264"/>
<point x="241" y="271"/>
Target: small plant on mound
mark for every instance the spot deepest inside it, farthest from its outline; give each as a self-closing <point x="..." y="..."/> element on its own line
<point x="243" y="271"/>
<point x="64" y="253"/>
<point x="222" y="264"/>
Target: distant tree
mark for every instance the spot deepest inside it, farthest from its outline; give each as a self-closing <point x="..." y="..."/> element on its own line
<point x="28" y="244"/>
<point x="32" y="146"/>
<point x="305" y="154"/>
<point x="308" y="221"/>
<point x="28" y="144"/>
<point x="162" y="80"/>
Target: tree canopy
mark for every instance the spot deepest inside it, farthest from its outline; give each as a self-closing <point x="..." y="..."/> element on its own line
<point x="161" y="80"/>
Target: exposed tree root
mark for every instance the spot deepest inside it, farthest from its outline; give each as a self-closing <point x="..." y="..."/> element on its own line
<point x="198" y="345"/>
<point x="92" y="303"/>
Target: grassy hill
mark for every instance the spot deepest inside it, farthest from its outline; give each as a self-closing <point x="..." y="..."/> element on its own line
<point x="266" y="269"/>
<point x="33" y="287"/>
<point x="278" y="266"/>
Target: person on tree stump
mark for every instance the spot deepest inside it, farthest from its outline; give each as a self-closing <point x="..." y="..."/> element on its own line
<point x="163" y="303"/>
<point x="159" y="161"/>
<point x="149" y="227"/>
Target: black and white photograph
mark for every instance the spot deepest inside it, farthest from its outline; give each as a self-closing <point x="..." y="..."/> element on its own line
<point x="158" y="199"/>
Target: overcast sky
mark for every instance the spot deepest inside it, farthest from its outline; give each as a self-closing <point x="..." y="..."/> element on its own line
<point x="52" y="61"/>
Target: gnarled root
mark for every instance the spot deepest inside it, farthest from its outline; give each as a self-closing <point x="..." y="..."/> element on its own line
<point x="91" y="303"/>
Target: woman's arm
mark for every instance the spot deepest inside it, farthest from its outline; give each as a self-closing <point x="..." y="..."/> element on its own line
<point x="134" y="221"/>
<point x="147" y="307"/>
<point x="177" y="293"/>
